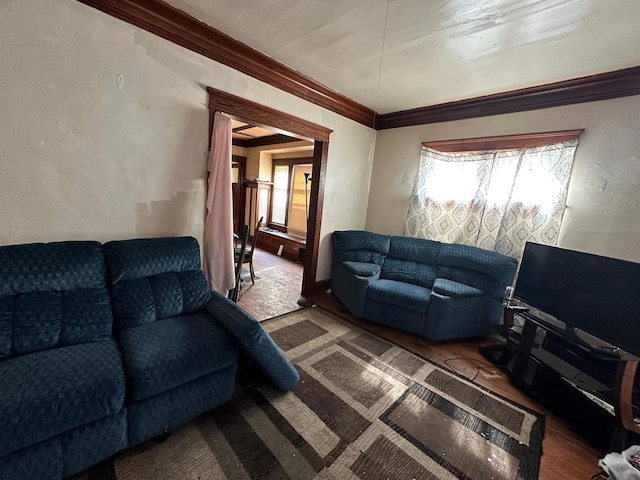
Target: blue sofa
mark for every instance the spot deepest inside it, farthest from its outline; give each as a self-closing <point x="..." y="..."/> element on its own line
<point x="438" y="290"/>
<point x="104" y="347"/>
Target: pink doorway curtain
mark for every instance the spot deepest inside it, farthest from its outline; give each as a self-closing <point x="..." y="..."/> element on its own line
<point x="218" y="226"/>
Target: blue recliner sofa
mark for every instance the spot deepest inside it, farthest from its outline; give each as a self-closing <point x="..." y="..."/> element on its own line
<point x="62" y="381"/>
<point x="104" y="347"/>
<point x="438" y="290"/>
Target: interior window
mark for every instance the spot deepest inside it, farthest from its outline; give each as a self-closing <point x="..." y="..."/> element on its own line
<point x="291" y="195"/>
<point x="280" y="194"/>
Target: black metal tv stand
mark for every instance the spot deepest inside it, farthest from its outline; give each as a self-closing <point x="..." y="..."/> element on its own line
<point x="578" y="376"/>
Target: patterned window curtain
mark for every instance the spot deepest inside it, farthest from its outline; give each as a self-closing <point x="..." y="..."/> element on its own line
<point x="496" y="200"/>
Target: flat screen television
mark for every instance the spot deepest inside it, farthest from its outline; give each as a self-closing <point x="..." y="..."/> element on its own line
<point x="598" y="295"/>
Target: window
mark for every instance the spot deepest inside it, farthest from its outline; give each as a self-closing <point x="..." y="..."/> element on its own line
<point x="280" y="194"/>
<point x="290" y="198"/>
<point x="511" y="191"/>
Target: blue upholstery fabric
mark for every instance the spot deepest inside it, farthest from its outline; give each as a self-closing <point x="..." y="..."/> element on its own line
<point x="361" y="269"/>
<point x="170" y="352"/>
<point x="411" y="260"/>
<point x="435" y="289"/>
<point x="53" y="391"/>
<point x="69" y="453"/>
<point x="42" y="267"/>
<point x="358" y="246"/>
<point x="488" y="271"/>
<point x="43" y="460"/>
<point x="145" y="257"/>
<point x="255" y="341"/>
<point x="150" y="417"/>
<point x="449" y="288"/>
<point x="62" y="394"/>
<point x="52" y="294"/>
<point x="351" y="289"/>
<point x="355" y="247"/>
<point x="155" y="278"/>
<point x="401" y="294"/>
<point x="89" y="444"/>
<point x="461" y="317"/>
<point x="179" y="360"/>
<point x="394" y="316"/>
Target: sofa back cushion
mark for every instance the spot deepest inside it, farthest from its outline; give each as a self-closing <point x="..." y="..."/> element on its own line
<point x="52" y="294"/>
<point x="411" y="260"/>
<point x="155" y="278"/>
<point x="485" y="270"/>
<point x="360" y="246"/>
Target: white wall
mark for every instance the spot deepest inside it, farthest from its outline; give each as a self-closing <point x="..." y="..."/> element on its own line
<point x="603" y="207"/>
<point x="103" y="131"/>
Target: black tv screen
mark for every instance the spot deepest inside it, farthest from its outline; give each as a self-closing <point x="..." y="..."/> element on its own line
<point x="599" y="295"/>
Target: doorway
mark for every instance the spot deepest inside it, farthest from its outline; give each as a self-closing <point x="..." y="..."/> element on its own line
<point x="257" y="115"/>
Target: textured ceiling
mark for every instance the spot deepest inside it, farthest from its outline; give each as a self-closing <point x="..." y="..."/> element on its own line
<point x="393" y="55"/>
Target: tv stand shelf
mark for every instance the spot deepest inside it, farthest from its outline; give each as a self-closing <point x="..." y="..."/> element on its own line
<point x="588" y="381"/>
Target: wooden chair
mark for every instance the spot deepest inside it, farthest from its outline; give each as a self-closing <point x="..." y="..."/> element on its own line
<point x="234" y="294"/>
<point x="247" y="257"/>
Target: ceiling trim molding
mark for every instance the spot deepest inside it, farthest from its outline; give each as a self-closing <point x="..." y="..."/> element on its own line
<point x="504" y="142"/>
<point x="603" y="86"/>
<point x="161" y="19"/>
<point x="266" y="117"/>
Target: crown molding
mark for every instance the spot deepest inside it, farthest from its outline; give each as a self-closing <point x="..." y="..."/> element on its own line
<point x="603" y="86"/>
<point x="266" y="117"/>
<point x="172" y="24"/>
<point x="161" y="19"/>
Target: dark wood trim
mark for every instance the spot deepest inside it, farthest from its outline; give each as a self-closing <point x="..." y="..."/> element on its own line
<point x="293" y="161"/>
<point x="320" y="152"/>
<point x="262" y="141"/>
<point x="623" y="396"/>
<point x="286" y="212"/>
<point x="172" y="24"/>
<point x="320" y="287"/>
<point x="603" y="86"/>
<point x="266" y="117"/>
<point x="504" y="142"/>
<point x="257" y="114"/>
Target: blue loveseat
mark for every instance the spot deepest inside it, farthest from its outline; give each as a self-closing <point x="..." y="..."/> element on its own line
<point x="438" y="290"/>
<point x="104" y="347"/>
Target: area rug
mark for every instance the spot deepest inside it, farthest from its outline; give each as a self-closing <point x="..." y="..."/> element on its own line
<point x="363" y="409"/>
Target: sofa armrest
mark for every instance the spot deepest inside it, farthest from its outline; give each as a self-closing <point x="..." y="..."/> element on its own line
<point x="254" y="340"/>
<point x="362" y="269"/>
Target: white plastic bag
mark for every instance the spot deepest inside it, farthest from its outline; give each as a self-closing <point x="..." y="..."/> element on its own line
<point x="618" y="467"/>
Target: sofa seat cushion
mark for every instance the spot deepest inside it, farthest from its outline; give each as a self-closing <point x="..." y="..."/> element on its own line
<point x="362" y="269"/>
<point x="449" y="288"/>
<point x="167" y="353"/>
<point x="400" y="294"/>
<point x="53" y="391"/>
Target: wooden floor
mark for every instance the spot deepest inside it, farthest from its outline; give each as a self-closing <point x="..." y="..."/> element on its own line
<point x="276" y="289"/>
<point x="565" y="454"/>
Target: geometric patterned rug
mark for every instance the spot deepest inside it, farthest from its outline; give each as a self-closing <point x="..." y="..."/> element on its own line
<point x="364" y="409"/>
